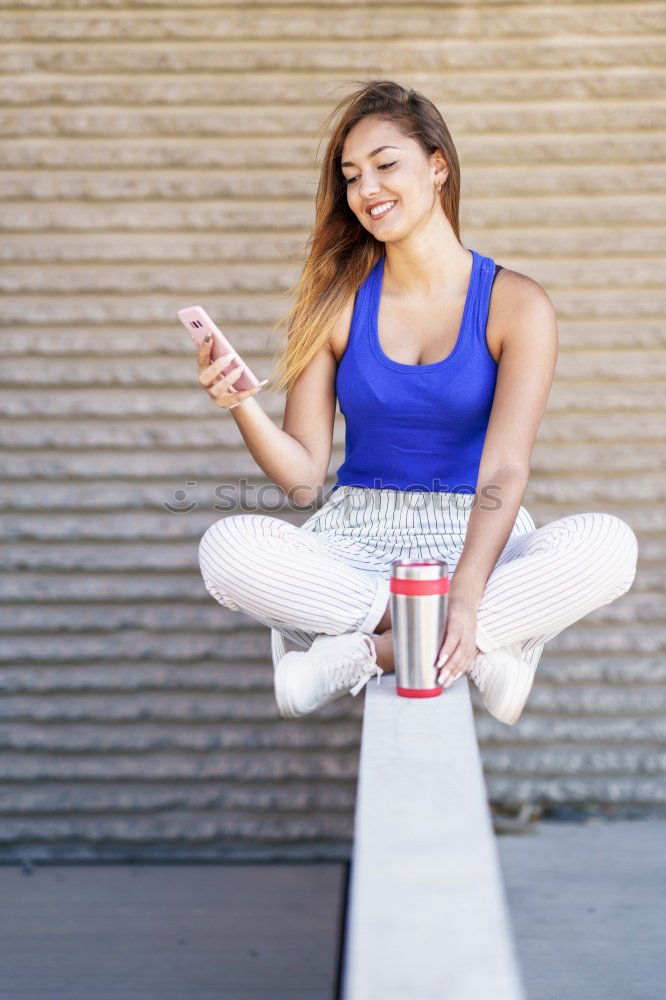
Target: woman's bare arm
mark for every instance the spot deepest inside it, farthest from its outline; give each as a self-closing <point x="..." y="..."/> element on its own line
<point x="525" y="375"/>
<point x="297" y="457"/>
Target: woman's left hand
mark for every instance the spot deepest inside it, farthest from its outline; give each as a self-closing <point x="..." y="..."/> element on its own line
<point x="457" y="652"/>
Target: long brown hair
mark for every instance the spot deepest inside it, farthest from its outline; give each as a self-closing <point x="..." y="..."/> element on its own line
<point x="340" y="252"/>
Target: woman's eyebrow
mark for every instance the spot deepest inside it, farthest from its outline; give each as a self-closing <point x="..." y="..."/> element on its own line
<point x="348" y="163"/>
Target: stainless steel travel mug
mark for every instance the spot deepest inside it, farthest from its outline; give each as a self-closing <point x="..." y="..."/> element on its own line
<point x="418" y="597"/>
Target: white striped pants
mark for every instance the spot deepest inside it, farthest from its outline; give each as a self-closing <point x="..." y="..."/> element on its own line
<point x="331" y="574"/>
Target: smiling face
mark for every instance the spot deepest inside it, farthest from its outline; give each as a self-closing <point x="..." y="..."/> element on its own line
<point x="400" y="173"/>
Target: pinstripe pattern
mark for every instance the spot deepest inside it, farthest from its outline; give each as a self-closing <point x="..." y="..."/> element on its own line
<point x="331" y="574"/>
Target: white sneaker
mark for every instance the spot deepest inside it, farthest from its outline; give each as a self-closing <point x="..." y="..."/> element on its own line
<point x="334" y="665"/>
<point x="504" y="680"/>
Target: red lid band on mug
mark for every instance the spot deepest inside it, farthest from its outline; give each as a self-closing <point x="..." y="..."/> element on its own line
<point x="419" y="587"/>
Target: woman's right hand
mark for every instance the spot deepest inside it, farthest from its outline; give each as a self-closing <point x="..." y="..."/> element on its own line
<point x="219" y="387"/>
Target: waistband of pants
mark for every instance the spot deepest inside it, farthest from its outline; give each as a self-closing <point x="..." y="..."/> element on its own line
<point x="389" y="501"/>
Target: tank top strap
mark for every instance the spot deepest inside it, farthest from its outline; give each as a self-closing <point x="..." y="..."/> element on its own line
<point x="481" y="306"/>
<point x="363" y="303"/>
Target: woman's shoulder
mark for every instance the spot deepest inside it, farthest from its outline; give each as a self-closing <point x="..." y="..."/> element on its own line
<point x="514" y="287"/>
<point x="515" y="298"/>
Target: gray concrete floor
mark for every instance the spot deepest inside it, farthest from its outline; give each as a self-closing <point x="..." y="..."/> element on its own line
<point x="170" y="932"/>
<point x="587" y="903"/>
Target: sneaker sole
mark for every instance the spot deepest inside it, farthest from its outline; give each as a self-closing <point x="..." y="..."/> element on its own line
<point x="284" y="703"/>
<point x="508" y="699"/>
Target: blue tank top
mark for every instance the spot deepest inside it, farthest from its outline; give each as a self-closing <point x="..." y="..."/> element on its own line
<point x="416" y="427"/>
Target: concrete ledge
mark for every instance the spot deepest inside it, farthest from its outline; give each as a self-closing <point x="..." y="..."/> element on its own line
<point x="427" y="915"/>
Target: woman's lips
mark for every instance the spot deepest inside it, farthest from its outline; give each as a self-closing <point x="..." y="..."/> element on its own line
<point x="376" y="218"/>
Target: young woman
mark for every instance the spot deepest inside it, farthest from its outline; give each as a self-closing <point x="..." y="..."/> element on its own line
<point x="442" y="362"/>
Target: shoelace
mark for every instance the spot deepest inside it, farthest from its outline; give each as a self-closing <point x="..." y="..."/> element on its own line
<point x="345" y="667"/>
<point x="477" y="671"/>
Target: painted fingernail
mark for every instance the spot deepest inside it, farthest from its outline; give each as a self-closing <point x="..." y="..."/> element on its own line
<point x="442" y="660"/>
<point x="443" y="676"/>
<point x="449" y="682"/>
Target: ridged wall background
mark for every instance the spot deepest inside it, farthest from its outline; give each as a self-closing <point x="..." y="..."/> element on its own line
<point x="157" y="155"/>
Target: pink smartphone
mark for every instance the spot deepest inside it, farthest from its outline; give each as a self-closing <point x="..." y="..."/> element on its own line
<point x="198" y="323"/>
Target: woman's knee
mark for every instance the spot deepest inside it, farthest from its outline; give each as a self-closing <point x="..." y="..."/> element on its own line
<point x="617" y="542"/>
<point x="627" y="552"/>
<point x="225" y="541"/>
